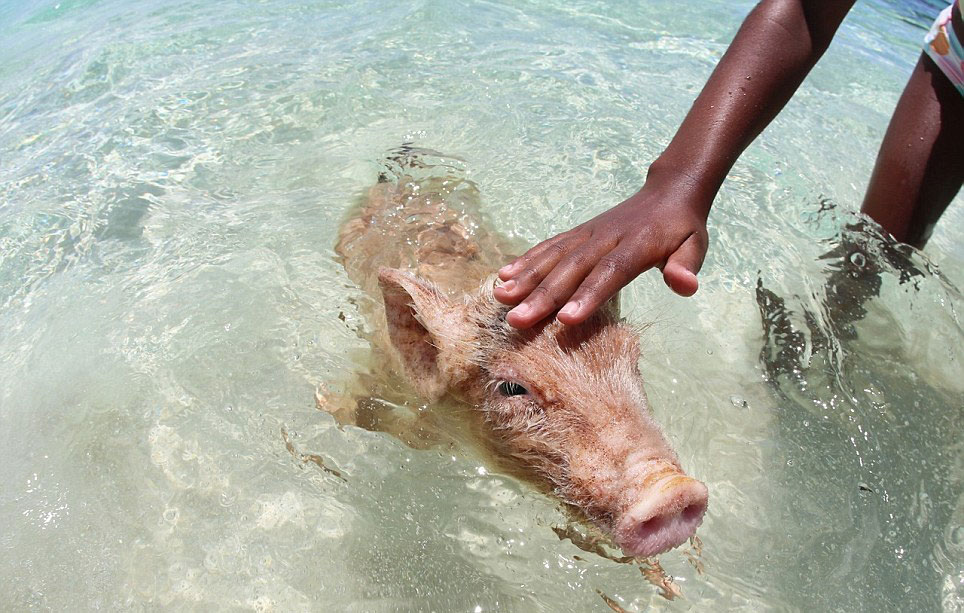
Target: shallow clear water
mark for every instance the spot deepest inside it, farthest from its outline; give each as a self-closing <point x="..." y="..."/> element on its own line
<point x="171" y="183"/>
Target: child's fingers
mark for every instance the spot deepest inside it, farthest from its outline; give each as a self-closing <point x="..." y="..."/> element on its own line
<point x="614" y="270"/>
<point x="520" y="263"/>
<point x="531" y="311"/>
<point x="555" y="290"/>
<point x="681" y="267"/>
<point x="535" y="268"/>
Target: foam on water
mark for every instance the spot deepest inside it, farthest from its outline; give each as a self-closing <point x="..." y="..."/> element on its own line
<point x="171" y="182"/>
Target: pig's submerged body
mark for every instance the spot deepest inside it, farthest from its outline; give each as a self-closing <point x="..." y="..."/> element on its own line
<point x="566" y="404"/>
<point x="423" y="217"/>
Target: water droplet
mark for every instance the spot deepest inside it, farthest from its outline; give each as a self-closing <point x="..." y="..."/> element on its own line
<point x="957" y="535"/>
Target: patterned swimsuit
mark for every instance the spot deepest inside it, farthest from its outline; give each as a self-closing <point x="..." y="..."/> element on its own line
<point x="943" y="44"/>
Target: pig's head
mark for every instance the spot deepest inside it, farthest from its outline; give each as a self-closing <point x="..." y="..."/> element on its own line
<point x="565" y="401"/>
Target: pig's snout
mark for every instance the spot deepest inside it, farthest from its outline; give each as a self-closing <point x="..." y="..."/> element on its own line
<point x="668" y="508"/>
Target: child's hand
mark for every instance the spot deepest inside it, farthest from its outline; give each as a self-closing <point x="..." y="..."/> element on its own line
<point x="664" y="224"/>
<point x="581" y="269"/>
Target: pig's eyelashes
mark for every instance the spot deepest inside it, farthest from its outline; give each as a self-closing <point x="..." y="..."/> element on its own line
<point x="510" y="388"/>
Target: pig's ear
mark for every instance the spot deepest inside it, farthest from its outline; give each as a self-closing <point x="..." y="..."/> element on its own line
<point x="415" y="311"/>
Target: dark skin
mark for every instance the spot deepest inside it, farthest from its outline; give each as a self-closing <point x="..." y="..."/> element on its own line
<point x="920" y="166"/>
<point x="918" y="171"/>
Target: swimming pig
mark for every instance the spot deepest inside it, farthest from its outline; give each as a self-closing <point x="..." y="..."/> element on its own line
<point x="565" y="403"/>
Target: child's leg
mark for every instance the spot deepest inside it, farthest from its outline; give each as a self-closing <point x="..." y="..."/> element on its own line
<point x="920" y="166"/>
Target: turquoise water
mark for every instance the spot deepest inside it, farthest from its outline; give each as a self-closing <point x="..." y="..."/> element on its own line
<point x="172" y="177"/>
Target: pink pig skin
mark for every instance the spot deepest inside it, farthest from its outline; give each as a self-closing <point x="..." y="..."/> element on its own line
<point x="564" y="403"/>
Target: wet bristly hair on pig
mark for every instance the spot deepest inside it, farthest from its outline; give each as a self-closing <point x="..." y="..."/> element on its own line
<point x="566" y="402"/>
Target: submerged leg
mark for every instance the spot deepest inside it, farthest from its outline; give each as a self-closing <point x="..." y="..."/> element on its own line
<point x="920" y="166"/>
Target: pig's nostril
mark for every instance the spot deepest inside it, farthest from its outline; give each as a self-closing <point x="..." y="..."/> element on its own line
<point x="662" y="532"/>
<point x="693" y="512"/>
<point x="650" y="526"/>
<point x="662" y="521"/>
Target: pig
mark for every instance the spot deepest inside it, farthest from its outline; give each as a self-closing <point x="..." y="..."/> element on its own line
<point x="564" y="403"/>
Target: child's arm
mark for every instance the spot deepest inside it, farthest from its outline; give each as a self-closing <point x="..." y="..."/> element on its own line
<point x="664" y="224"/>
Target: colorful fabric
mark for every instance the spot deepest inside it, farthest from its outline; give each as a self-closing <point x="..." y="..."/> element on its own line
<point x="944" y="47"/>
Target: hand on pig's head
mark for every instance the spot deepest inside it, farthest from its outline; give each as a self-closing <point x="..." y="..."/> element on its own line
<point x="566" y="402"/>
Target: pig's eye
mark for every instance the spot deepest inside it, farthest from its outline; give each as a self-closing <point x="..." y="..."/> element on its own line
<point x="510" y="388"/>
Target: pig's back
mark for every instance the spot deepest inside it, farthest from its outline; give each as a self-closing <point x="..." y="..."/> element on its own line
<point x="422" y="215"/>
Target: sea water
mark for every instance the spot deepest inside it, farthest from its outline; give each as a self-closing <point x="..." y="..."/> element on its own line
<point x="172" y="178"/>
